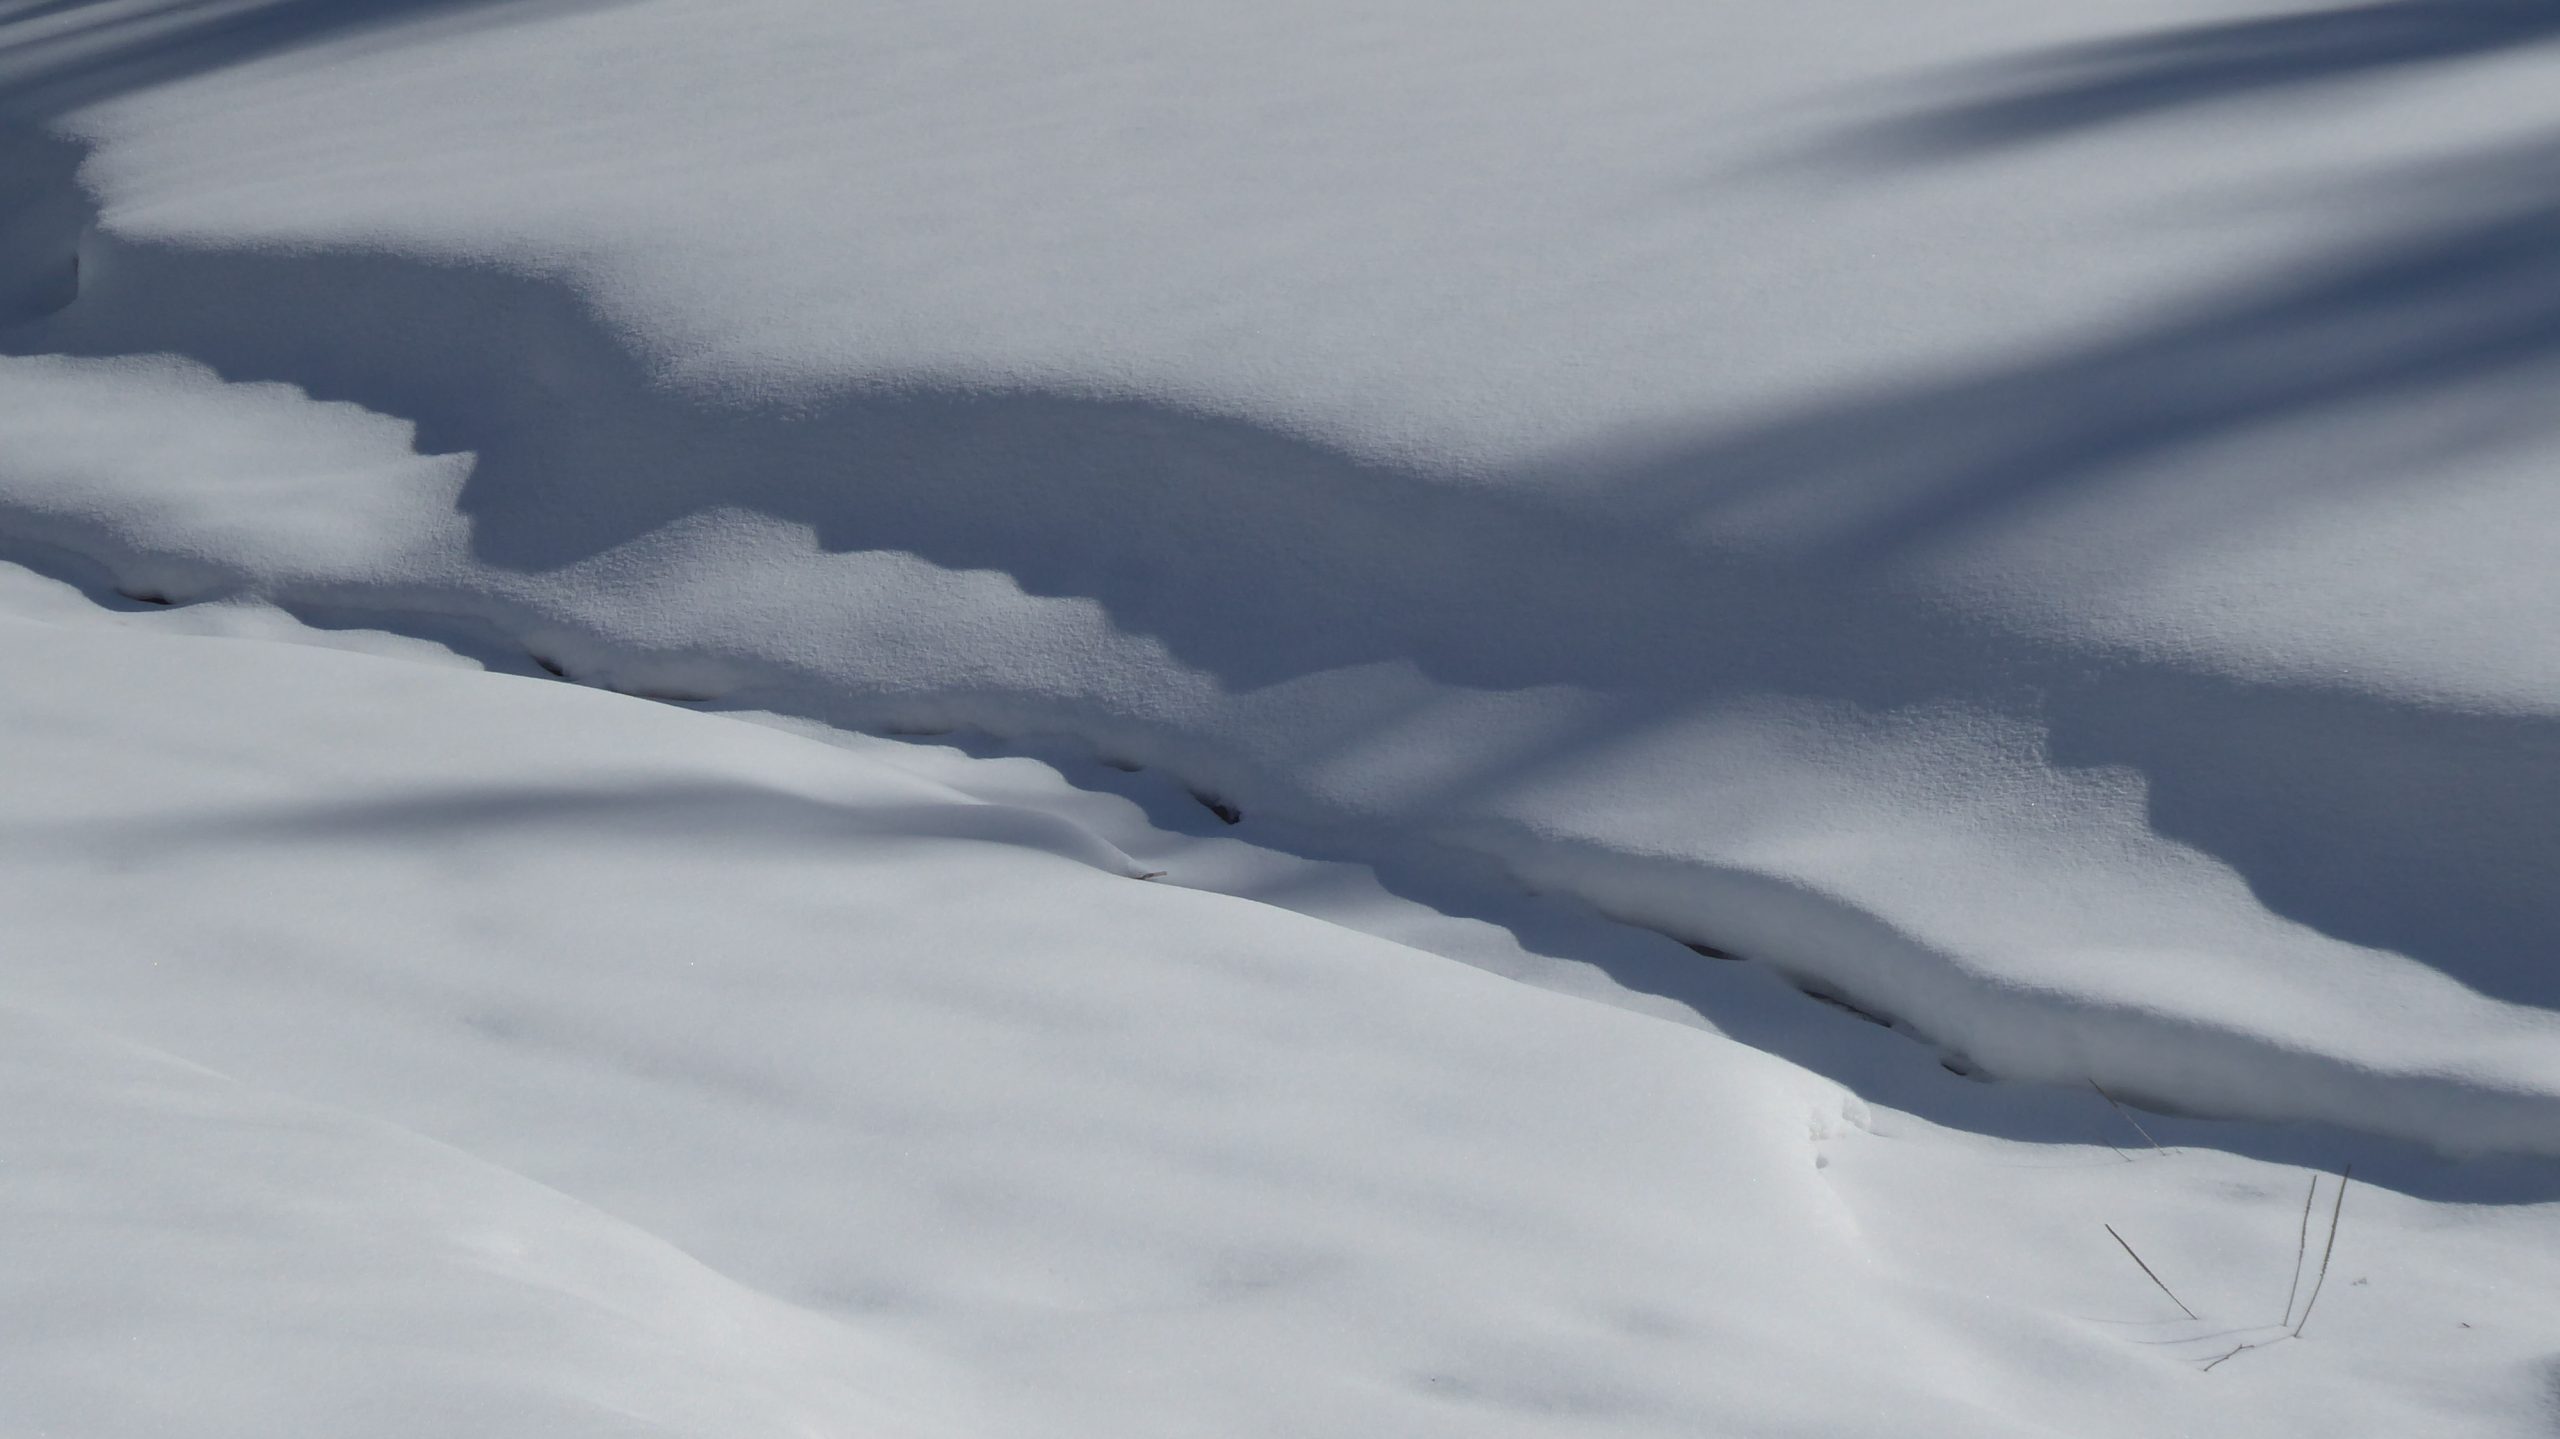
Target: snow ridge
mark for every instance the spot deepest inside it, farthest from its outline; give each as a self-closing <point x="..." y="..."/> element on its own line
<point x="1262" y="616"/>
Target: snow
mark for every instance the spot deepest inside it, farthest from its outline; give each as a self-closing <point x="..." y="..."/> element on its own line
<point x="189" y="1253"/>
<point x="562" y="1063"/>
<point x="2030" y="522"/>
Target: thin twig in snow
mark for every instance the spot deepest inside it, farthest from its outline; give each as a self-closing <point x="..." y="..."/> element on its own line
<point x="2301" y="1246"/>
<point x="2146" y="1269"/>
<point x="2242" y="1349"/>
<point x="2326" y="1250"/>
<point x="2127" y="1115"/>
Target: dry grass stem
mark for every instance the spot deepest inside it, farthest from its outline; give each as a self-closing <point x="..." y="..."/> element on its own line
<point x="2301" y="1246"/>
<point x="2146" y="1269"/>
<point x="2325" y="1251"/>
<point x="2127" y="1116"/>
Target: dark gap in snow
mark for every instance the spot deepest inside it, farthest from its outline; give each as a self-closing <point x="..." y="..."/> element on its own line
<point x="1710" y="951"/>
<point x="1844" y="1006"/>
<point x="2152" y="1106"/>
<point x="548" y="665"/>
<point x="1223" y="810"/>
<point x="665" y="695"/>
<point x="144" y="597"/>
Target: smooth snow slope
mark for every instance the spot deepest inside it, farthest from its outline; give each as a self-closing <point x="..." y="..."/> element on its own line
<point x="184" y="1254"/>
<point x="2030" y="517"/>
<point x="590" y="1067"/>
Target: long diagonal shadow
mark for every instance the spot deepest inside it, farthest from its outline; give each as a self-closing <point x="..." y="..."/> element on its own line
<point x="59" y="55"/>
<point x="2052" y="94"/>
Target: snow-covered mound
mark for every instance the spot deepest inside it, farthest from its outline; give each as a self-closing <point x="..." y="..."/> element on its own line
<point x="590" y="1067"/>
<point x="2037" y="519"/>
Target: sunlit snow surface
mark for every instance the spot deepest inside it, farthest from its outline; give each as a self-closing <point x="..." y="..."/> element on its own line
<point x="2031" y="522"/>
<point x="558" y="1063"/>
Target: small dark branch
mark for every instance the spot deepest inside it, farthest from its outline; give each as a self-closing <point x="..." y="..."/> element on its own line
<point x="2245" y="1348"/>
<point x="2326" y="1250"/>
<point x="2126" y="1114"/>
<point x="2146" y="1269"/>
<point x="1150" y="874"/>
<point x="2301" y="1247"/>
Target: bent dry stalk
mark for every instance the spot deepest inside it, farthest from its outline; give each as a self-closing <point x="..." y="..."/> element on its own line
<point x="2326" y="1250"/>
<point x="2301" y="1246"/>
<point x="2127" y="1116"/>
<point x="2146" y="1269"/>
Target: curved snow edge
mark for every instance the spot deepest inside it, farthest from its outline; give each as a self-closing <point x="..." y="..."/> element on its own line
<point x="2166" y="1062"/>
<point x="348" y="335"/>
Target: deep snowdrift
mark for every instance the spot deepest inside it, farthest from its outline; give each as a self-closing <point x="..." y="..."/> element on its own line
<point x="597" y="1068"/>
<point x="1980" y="507"/>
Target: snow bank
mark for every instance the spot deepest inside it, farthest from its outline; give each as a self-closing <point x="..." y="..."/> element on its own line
<point x="675" y="1075"/>
<point x="1152" y="1158"/>
<point x="1998" y="574"/>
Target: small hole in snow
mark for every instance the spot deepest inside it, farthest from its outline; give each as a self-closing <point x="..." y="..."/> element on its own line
<point x="548" y="665"/>
<point x="143" y="597"/>
<point x="1709" y="950"/>
<point x="1223" y="810"/>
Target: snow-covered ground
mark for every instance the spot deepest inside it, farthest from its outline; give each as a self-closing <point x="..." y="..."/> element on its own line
<point x="2033" y="523"/>
<point x="401" y="1049"/>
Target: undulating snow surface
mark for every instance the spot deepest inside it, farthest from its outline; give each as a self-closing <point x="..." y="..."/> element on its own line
<point x="558" y="1063"/>
<point x="2032" y="522"/>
